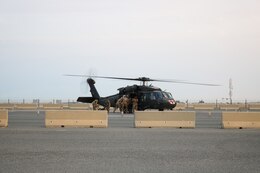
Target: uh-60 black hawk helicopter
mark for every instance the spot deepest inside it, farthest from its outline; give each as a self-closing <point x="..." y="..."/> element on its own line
<point x="149" y="97"/>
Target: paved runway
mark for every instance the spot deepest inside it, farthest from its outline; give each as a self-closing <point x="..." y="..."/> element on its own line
<point x="27" y="146"/>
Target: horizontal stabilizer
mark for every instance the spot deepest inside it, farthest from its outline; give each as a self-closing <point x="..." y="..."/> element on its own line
<point x="85" y="99"/>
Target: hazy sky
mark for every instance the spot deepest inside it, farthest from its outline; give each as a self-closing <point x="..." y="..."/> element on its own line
<point x="195" y="40"/>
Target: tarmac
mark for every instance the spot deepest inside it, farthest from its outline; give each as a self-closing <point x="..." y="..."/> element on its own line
<point x="27" y="146"/>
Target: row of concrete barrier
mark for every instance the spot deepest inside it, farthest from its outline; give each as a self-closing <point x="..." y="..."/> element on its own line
<point x="187" y="119"/>
<point x="223" y="107"/>
<point x="100" y="119"/>
<point x="143" y="119"/>
<point x="180" y="106"/>
<point x="47" y="106"/>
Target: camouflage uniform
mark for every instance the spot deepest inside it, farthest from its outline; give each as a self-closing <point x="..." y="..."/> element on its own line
<point x="107" y="105"/>
<point x="95" y="105"/>
<point x="125" y="104"/>
<point x="119" y="104"/>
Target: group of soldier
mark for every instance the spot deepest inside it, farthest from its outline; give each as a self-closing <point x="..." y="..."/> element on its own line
<point x="122" y="104"/>
<point x="95" y="105"/>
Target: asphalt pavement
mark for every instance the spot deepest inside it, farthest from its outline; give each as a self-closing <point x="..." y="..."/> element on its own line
<point x="27" y="146"/>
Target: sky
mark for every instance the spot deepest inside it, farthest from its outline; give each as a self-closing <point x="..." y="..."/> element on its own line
<point x="205" y="41"/>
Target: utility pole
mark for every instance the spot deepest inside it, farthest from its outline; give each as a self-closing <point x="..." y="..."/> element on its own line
<point x="230" y="91"/>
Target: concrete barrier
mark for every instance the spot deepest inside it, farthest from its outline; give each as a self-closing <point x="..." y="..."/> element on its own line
<point x="230" y="107"/>
<point x="79" y="106"/>
<point x="204" y="106"/>
<point x="3" y="118"/>
<point x="26" y="106"/>
<point x="52" y="106"/>
<point x="77" y="118"/>
<point x="176" y="119"/>
<point x="254" y="107"/>
<point x="7" y="106"/>
<point x="180" y="106"/>
<point x="241" y="120"/>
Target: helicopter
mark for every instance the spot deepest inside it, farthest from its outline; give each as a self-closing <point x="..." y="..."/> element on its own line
<point x="149" y="97"/>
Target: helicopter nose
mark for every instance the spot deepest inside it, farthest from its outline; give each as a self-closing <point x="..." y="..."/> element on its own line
<point x="172" y="102"/>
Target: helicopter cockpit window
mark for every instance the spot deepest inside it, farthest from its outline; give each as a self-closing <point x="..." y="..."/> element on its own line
<point x="170" y="95"/>
<point x="152" y="96"/>
<point x="158" y="95"/>
<point x="146" y="96"/>
<point x="167" y="95"/>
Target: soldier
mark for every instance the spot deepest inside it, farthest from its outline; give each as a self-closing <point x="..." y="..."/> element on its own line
<point x="135" y="103"/>
<point x="119" y="104"/>
<point x="107" y="105"/>
<point x="125" y="104"/>
<point x="95" y="105"/>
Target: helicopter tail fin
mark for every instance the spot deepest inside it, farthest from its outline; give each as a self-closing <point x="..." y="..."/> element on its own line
<point x="93" y="89"/>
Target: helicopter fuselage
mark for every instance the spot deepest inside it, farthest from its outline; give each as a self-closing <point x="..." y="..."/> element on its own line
<point x="149" y="97"/>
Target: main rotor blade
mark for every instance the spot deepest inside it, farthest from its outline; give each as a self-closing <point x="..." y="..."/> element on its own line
<point x="183" y="82"/>
<point x="141" y="79"/>
<point x="192" y="83"/>
<point x="145" y="79"/>
<point x="104" y="77"/>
